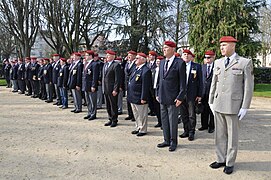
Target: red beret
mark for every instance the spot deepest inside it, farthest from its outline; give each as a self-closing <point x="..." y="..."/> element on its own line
<point x="160" y="57"/>
<point x="76" y="54"/>
<point x="193" y="55"/>
<point x="46" y="59"/>
<point x="56" y="55"/>
<point x="33" y="58"/>
<point x="209" y="52"/>
<point x="227" y="39"/>
<point x="170" y="44"/>
<point x="188" y="52"/>
<point x="118" y="58"/>
<point x="131" y="52"/>
<point x="142" y="54"/>
<point x="110" y="52"/>
<point x="152" y="53"/>
<point x="177" y="54"/>
<point x="96" y="54"/>
<point x="90" y="52"/>
<point x="63" y="59"/>
<point x="28" y="58"/>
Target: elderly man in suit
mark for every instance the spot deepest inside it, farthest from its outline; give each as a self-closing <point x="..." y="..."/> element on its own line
<point x="34" y="77"/>
<point x="171" y="93"/>
<point x="138" y="93"/>
<point x="47" y="78"/>
<point x="20" y="73"/>
<point x="230" y="97"/>
<point x="56" y="67"/>
<point x="90" y="84"/>
<point x="110" y="85"/>
<point x="207" y="117"/>
<point x="75" y="82"/>
<point x="193" y="96"/>
<point x="62" y="82"/>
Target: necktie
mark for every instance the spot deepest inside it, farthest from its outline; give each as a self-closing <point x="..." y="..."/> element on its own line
<point x="227" y="62"/>
<point x="166" y="67"/>
<point x="208" y="70"/>
<point x="106" y="67"/>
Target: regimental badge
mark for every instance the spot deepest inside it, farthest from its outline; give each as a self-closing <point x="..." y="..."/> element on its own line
<point x="45" y="71"/>
<point x="89" y="71"/>
<point x="74" y="71"/>
<point x="194" y="72"/>
<point x="137" y="77"/>
<point x="60" y="74"/>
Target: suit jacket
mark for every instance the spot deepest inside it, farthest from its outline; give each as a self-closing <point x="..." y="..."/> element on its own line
<point x="139" y="85"/>
<point x="34" y="71"/>
<point x="40" y="74"/>
<point x="20" y="72"/>
<point x="13" y="72"/>
<point x="128" y="71"/>
<point x="56" y="68"/>
<point x="90" y="76"/>
<point x="172" y="85"/>
<point x="232" y="87"/>
<point x="75" y="75"/>
<point x="7" y="70"/>
<point x="27" y="72"/>
<point x="63" y="76"/>
<point x="206" y="80"/>
<point x="111" y="78"/>
<point x="194" y="83"/>
<point x="47" y="73"/>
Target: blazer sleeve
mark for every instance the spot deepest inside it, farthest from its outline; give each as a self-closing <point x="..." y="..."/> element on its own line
<point x="79" y="74"/>
<point x="117" y="78"/>
<point x="182" y="76"/>
<point x="146" y="84"/>
<point x="96" y="73"/>
<point x="248" y="85"/>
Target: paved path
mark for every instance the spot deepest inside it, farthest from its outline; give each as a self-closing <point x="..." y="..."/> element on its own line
<point x="40" y="141"/>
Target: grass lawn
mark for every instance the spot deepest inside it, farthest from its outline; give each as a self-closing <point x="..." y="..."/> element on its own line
<point x="262" y="90"/>
<point x="3" y="82"/>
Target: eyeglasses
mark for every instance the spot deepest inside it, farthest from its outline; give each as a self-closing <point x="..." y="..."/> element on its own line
<point x="207" y="57"/>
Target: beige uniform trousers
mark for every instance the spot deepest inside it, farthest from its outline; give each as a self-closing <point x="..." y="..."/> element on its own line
<point x="141" y="117"/>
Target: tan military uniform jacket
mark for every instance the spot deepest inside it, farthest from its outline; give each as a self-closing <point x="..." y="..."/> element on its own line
<point x="232" y="87"/>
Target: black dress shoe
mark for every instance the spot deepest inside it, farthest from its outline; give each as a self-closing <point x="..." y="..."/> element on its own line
<point x="119" y="113"/>
<point x="108" y="123"/>
<point x="216" y="165"/>
<point x="161" y="145"/>
<point x="191" y="137"/>
<point x="135" y="132"/>
<point x="141" y="134"/>
<point x="129" y="118"/>
<point x="211" y="130"/>
<point x="78" y="111"/>
<point x="48" y="101"/>
<point x="202" y="128"/>
<point x="228" y="169"/>
<point x="92" y="118"/>
<point x="133" y="119"/>
<point x="73" y="110"/>
<point x="64" y="107"/>
<point x="184" y="135"/>
<point x="86" y="117"/>
<point x="56" y="103"/>
<point x="114" y="124"/>
<point x="158" y="125"/>
<point x="172" y="148"/>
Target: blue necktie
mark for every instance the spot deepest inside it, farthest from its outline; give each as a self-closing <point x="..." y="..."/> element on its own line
<point x="227" y="62"/>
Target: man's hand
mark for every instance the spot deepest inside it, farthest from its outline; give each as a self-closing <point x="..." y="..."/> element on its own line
<point x="242" y="113"/>
<point x="77" y="88"/>
<point x="157" y="98"/>
<point x="212" y="108"/>
<point x="198" y="99"/>
<point x="143" y="102"/>
<point x="93" y="89"/>
<point x="114" y="93"/>
<point x="177" y="102"/>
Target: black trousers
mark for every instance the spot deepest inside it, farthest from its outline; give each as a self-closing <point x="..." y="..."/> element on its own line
<point x="21" y="84"/>
<point x="207" y="117"/>
<point x="129" y="109"/>
<point x="35" y="86"/>
<point x="112" y="107"/>
<point x="188" y="116"/>
<point x="28" y="85"/>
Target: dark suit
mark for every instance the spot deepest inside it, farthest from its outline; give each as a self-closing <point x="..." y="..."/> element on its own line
<point x="207" y="117"/>
<point x="128" y="71"/>
<point x="14" y="76"/>
<point x="62" y="84"/>
<point x="56" y="68"/>
<point x="110" y="83"/>
<point x="28" y="78"/>
<point x="34" y="78"/>
<point x="75" y="79"/>
<point x="172" y="86"/>
<point x="20" y="73"/>
<point x="151" y="96"/>
<point x="90" y="80"/>
<point x="47" y="75"/>
<point x="194" y="89"/>
<point x="100" y="92"/>
<point x="42" y="91"/>
<point x="7" y="74"/>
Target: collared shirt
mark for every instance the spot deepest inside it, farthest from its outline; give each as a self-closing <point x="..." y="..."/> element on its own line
<point x="170" y="62"/>
<point x="188" y="67"/>
<point x="88" y="63"/>
<point x="56" y="63"/>
<point x="231" y="58"/>
<point x="139" y="67"/>
<point x="210" y="67"/>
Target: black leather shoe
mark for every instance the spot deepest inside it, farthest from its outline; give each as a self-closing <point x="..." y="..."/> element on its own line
<point x="86" y="117"/>
<point x="133" y="119"/>
<point x="161" y="145"/>
<point x="48" y="101"/>
<point x="141" y="134"/>
<point x="228" y="169"/>
<point x="158" y="125"/>
<point x="92" y="118"/>
<point x="77" y="111"/>
<point x="119" y="113"/>
<point x="135" y="132"/>
<point x="172" y="148"/>
<point x="128" y="118"/>
<point x="211" y="130"/>
<point x="184" y="135"/>
<point x="202" y="128"/>
<point x="108" y="123"/>
<point x="56" y="103"/>
<point x="64" y="107"/>
<point x="114" y="124"/>
<point x="216" y="165"/>
<point x="73" y="110"/>
<point x="191" y="137"/>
